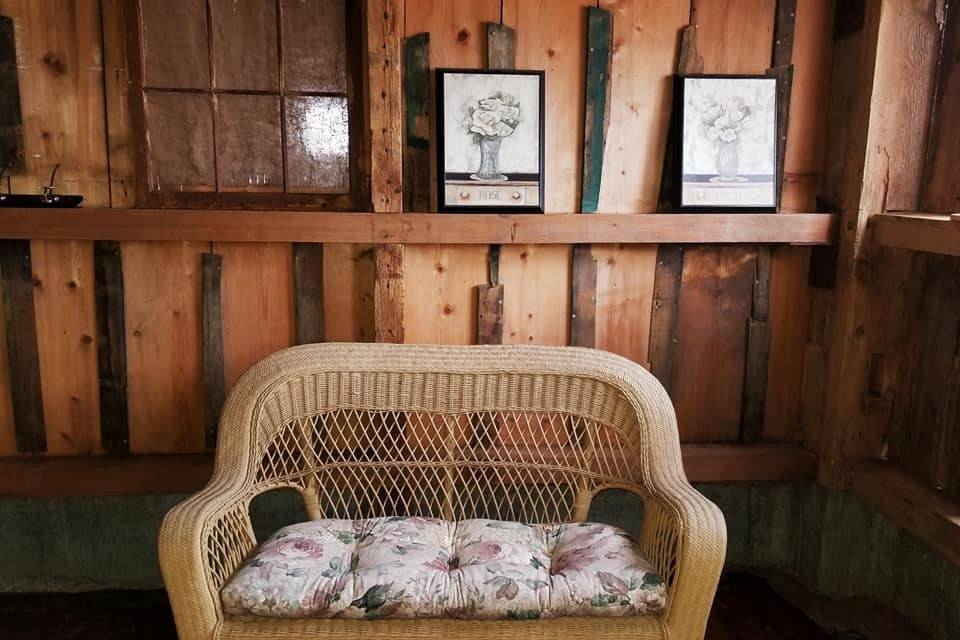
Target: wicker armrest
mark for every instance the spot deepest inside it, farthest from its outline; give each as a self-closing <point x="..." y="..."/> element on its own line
<point x="685" y="536"/>
<point x="202" y="541"/>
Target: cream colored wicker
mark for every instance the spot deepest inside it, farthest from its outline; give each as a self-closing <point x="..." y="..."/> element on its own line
<point x="514" y="433"/>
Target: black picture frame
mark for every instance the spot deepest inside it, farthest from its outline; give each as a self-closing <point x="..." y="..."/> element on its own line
<point x="735" y="192"/>
<point x="469" y="194"/>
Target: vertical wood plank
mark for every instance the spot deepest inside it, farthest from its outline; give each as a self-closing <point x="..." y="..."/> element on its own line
<point x="258" y="305"/>
<point x="119" y="119"/>
<point x="644" y="52"/>
<point x="416" y="91"/>
<point x="717" y="283"/>
<point x="64" y="298"/>
<point x="22" y="352"/>
<point x="163" y="315"/>
<point x="348" y="292"/>
<point x="213" y="355"/>
<point x="308" y="292"/>
<point x="757" y="351"/>
<point x="440" y="304"/>
<point x="669" y="261"/>
<point x="8" y="438"/>
<point x="583" y="297"/>
<point x="551" y="36"/>
<point x="501" y="46"/>
<point x="803" y="160"/>
<point x="941" y="180"/>
<point x="596" y="104"/>
<point x="11" y="119"/>
<point x="501" y="54"/>
<point x="663" y="321"/>
<point x="111" y="347"/>
<point x="583" y="267"/>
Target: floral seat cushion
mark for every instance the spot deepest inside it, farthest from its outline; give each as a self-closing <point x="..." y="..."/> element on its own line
<point x="428" y="568"/>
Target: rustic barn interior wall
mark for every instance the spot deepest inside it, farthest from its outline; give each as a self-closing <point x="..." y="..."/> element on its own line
<point x="849" y="352"/>
<point x="74" y="79"/>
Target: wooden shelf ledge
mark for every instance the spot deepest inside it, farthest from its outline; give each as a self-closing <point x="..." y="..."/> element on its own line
<point x="918" y="232"/>
<point x="38" y="477"/>
<point x="415" y="228"/>
<point x="911" y="505"/>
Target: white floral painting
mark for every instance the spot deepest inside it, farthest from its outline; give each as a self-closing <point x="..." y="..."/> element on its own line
<point x="491" y="132"/>
<point x="729" y="142"/>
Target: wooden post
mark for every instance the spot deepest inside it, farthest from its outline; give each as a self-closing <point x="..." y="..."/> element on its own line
<point x="384" y="28"/>
<point x="880" y="100"/>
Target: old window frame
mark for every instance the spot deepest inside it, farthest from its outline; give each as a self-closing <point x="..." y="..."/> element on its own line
<point x="357" y="199"/>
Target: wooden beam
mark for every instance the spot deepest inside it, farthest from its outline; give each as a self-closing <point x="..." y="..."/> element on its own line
<point x="913" y="506"/>
<point x="213" y="362"/>
<point x="16" y="272"/>
<point x="111" y="346"/>
<point x="158" y="474"/>
<point x="918" y="232"/>
<point x="414" y="228"/>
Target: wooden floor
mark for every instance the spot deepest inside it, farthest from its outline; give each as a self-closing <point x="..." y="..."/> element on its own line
<point x="746" y="609"/>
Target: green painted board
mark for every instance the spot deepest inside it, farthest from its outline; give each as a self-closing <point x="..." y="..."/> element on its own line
<point x="597" y="104"/>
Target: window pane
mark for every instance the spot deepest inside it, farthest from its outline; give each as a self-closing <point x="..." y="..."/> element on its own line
<point x="175" y="49"/>
<point x="245" y="44"/>
<point x="317" y="145"/>
<point x="248" y="143"/>
<point x="180" y="139"/>
<point x="314" y="45"/>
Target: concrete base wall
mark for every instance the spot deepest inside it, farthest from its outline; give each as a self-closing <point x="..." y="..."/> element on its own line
<point x="833" y="543"/>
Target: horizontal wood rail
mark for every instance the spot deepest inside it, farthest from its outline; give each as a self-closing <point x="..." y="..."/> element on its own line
<point x="911" y="505"/>
<point x="38" y="477"/>
<point x="918" y="232"/>
<point x="415" y="228"/>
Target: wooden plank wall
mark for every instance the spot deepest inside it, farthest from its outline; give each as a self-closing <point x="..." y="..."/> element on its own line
<point x="73" y="79"/>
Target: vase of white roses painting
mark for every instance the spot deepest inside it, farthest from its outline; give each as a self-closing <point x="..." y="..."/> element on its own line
<point x="725" y="122"/>
<point x="489" y="122"/>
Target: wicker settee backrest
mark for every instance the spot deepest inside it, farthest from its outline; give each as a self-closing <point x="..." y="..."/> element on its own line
<point x="519" y="433"/>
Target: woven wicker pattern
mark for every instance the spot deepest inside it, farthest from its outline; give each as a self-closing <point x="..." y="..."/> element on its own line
<point x="512" y="433"/>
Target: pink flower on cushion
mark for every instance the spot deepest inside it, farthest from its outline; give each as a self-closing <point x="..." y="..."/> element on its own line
<point x="572" y="560"/>
<point x="483" y="551"/>
<point x="300" y="548"/>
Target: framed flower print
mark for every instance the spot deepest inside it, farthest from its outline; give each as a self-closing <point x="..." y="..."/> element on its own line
<point x="727" y="142"/>
<point x="490" y="133"/>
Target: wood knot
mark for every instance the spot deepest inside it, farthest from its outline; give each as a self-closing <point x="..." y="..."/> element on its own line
<point x="86" y="339"/>
<point x="447" y="309"/>
<point x="440" y="268"/>
<point x="551" y="53"/>
<point x="55" y="62"/>
<point x="463" y="35"/>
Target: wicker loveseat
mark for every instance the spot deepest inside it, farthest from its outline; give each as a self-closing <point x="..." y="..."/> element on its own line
<point x="520" y="433"/>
